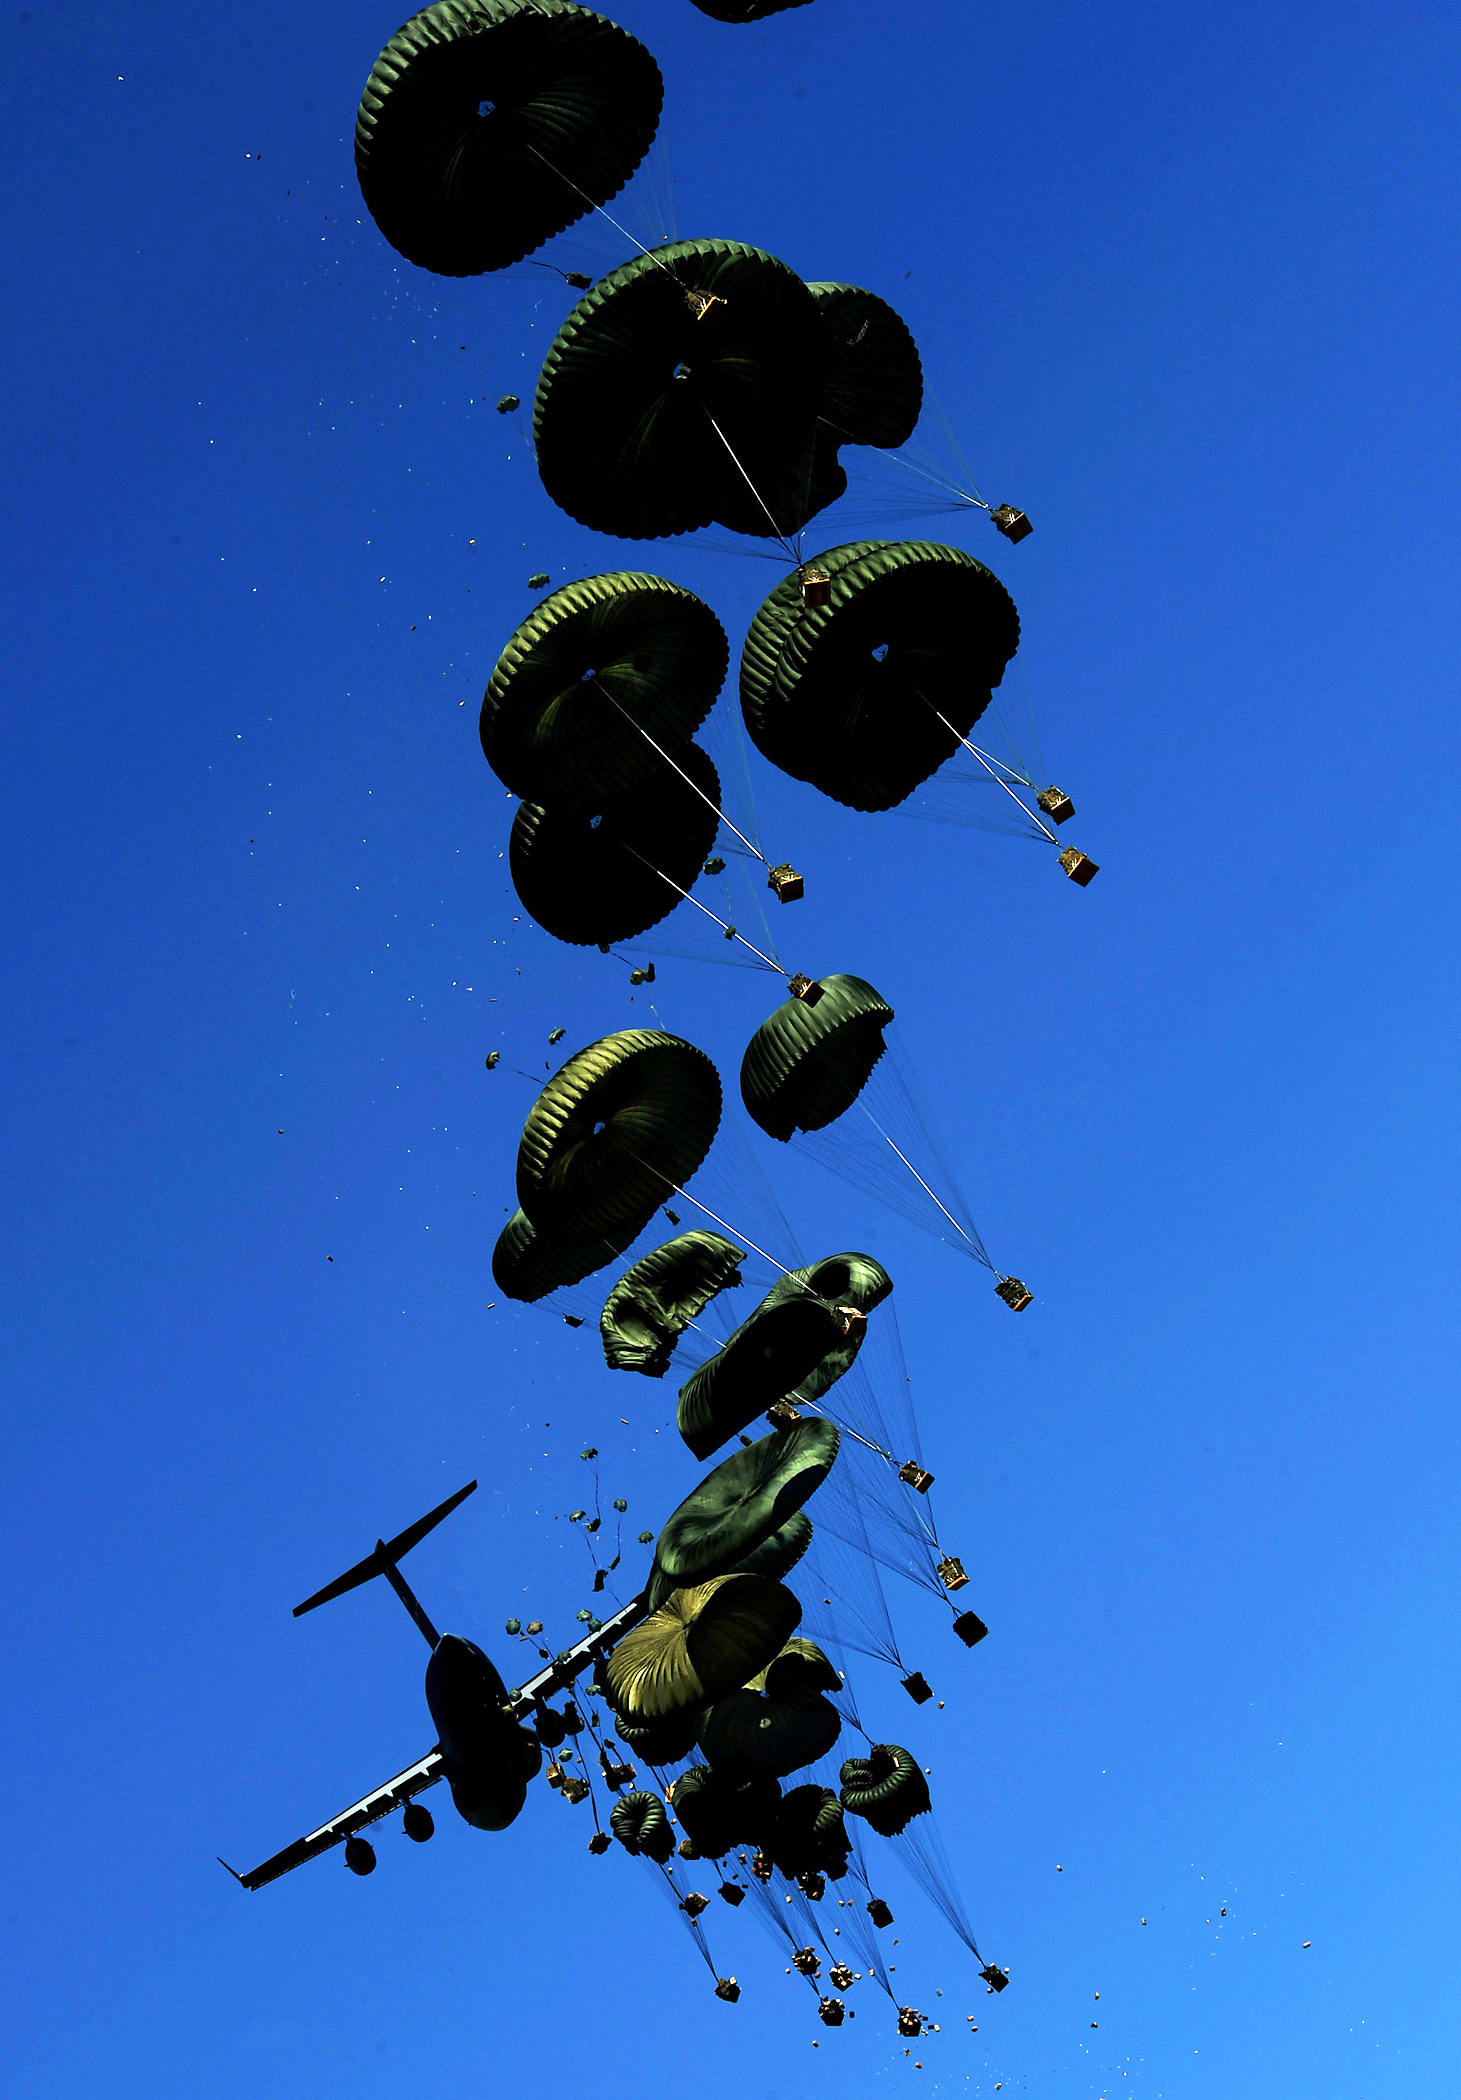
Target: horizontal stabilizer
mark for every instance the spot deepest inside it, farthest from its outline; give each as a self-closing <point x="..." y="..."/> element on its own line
<point x="386" y="1554"/>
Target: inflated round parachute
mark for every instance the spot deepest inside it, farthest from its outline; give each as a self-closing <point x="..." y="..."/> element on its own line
<point x="767" y="1357"/>
<point x="657" y="412"/>
<point x="487" y="126"/>
<point x="746" y="1498"/>
<point x="725" y="1805"/>
<point x="614" y="1131"/>
<point x="886" y="1788"/>
<point x="807" y="1063"/>
<point x="527" y="1264"/>
<point x="593" y="666"/>
<point x="653" y="1303"/>
<point x="809" y="1835"/>
<point x="702" y="1643"/>
<point x="780" y="1721"/>
<point x="849" y="695"/>
<point x="874" y="389"/>
<point x="640" y="1824"/>
<point x="593" y="878"/>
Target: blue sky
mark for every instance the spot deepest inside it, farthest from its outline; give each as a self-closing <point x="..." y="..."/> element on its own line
<point x="1186" y="287"/>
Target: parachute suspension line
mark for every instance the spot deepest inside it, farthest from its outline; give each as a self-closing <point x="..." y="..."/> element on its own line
<point x="685" y="1193"/>
<point x="726" y="928"/>
<point x="648" y="253"/>
<point x="598" y="682"/>
<point x="789" y="547"/>
<point x="989" y="767"/>
<point x="974" y="1241"/>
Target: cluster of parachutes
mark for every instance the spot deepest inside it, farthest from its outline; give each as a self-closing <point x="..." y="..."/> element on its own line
<point x="705" y="383"/>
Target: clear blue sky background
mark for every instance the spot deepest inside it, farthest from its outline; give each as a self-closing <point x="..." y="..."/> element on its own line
<point x="1186" y="283"/>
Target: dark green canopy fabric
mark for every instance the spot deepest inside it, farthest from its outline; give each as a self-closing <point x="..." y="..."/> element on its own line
<point x="651" y="1305"/>
<point x="660" y="1742"/>
<point x="852" y="1281"/>
<point x="806" y="1064"/>
<point x="747" y="1497"/>
<point x="489" y="125"/>
<point x="593" y="878"/>
<point x="849" y="695"/>
<point x="779" y="1554"/>
<point x="886" y="1788"/>
<point x="614" y="1131"/>
<point x="809" y="1835"/>
<point x="765" y="1359"/>
<point x="650" y="421"/>
<point x="640" y="1824"/>
<point x="588" y="670"/>
<point x="702" y="1643"/>
<point x="780" y="1721"/>
<point x="874" y="389"/>
<point x="775" y="1557"/>
<point x="527" y="1264"/>
<point x="725" y="1805"/>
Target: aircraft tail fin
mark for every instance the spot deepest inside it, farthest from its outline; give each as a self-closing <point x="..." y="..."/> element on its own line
<point x="387" y="1553"/>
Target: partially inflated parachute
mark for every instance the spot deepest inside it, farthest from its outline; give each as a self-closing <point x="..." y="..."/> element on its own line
<point x="487" y="126"/>
<point x="651" y="1305"/>
<point x="744" y="1500"/>
<point x="527" y="1265"/>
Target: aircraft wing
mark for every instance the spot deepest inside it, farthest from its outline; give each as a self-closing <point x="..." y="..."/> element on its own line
<point x="414" y="1780"/>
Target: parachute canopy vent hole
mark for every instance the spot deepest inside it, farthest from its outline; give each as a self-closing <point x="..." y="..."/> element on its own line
<point x="485" y="108"/>
<point x="881" y="652"/>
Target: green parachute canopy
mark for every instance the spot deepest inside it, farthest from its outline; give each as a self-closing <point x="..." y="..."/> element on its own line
<point x="867" y="695"/>
<point x="640" y="1824"/>
<point x="596" y="877"/>
<point x="702" y="1643"/>
<point x="660" y="1742"/>
<point x="683" y="390"/>
<point x="487" y="126"/>
<point x="775" y="1556"/>
<point x="596" y="677"/>
<point x="809" y="1835"/>
<point x="769" y="1355"/>
<point x="874" y="389"/>
<point x="724" y="1805"/>
<point x="653" y="1303"/>
<point x="746" y="1498"/>
<point x="780" y="1721"/>
<point x="614" y="1131"/>
<point x="848" y="1282"/>
<point x="808" y="1062"/>
<point x="527" y="1264"/>
<point x="886" y="1788"/>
